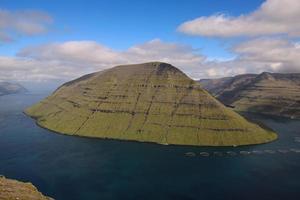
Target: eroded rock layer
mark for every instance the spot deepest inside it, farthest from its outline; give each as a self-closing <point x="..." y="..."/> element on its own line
<point x="151" y="102"/>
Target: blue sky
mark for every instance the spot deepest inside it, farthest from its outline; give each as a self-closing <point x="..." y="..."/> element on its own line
<point x="121" y="24"/>
<point x="61" y="40"/>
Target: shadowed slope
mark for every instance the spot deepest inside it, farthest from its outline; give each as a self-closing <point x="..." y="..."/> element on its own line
<point x="267" y="93"/>
<point x="151" y="102"/>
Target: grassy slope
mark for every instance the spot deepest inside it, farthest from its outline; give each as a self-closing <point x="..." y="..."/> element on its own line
<point x="151" y="102"/>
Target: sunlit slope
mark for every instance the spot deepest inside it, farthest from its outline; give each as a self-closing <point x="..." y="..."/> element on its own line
<point x="151" y="102"/>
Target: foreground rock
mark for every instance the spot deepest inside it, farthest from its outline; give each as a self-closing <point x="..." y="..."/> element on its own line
<point x="151" y="102"/>
<point x="16" y="190"/>
<point x="267" y="93"/>
<point x="11" y="88"/>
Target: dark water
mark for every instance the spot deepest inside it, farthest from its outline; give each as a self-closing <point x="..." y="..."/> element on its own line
<point x="73" y="168"/>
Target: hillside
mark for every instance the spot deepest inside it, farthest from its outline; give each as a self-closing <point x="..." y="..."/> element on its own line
<point x="150" y="102"/>
<point x="12" y="190"/>
<point x="267" y="93"/>
<point x="11" y="88"/>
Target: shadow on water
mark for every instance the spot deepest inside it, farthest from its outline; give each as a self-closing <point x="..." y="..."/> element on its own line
<point x="75" y="168"/>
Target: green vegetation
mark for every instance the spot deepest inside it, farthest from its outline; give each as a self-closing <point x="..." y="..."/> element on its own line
<point x="150" y="102"/>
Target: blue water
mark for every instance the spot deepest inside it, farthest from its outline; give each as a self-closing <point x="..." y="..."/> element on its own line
<point x="74" y="168"/>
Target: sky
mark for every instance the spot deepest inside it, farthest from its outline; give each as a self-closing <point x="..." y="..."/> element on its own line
<point x="51" y="40"/>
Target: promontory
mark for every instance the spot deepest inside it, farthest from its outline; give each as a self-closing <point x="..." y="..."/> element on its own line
<point x="17" y="190"/>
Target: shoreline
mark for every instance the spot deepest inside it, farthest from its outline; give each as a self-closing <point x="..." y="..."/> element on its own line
<point x="149" y="142"/>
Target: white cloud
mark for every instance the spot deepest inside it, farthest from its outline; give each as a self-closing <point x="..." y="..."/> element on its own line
<point x="96" y="55"/>
<point x="280" y="55"/>
<point x="68" y="60"/>
<point x="71" y="59"/>
<point x="182" y="56"/>
<point x="25" y="69"/>
<point x="256" y="56"/>
<point x="272" y="21"/>
<point x="74" y="58"/>
<point x="26" y="22"/>
<point x="273" y="17"/>
<point x="75" y="52"/>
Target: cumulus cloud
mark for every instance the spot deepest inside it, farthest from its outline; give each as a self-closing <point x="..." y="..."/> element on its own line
<point x="68" y="60"/>
<point x="256" y="56"/>
<point x="273" y="17"/>
<point x="71" y="59"/>
<point x="98" y="56"/>
<point x="279" y="54"/>
<point x="26" y="22"/>
<point x="25" y="69"/>
<point x="266" y="51"/>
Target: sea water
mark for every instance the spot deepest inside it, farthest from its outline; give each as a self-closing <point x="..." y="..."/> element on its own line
<point x="76" y="168"/>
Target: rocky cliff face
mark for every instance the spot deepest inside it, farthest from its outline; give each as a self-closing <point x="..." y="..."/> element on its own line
<point x="150" y="102"/>
<point x="11" y="88"/>
<point x="16" y="190"/>
<point x="267" y="93"/>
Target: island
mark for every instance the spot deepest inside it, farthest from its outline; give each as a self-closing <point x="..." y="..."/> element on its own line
<point x="11" y="88"/>
<point x="149" y="102"/>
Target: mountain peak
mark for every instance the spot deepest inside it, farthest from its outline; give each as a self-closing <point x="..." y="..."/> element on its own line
<point x="158" y="67"/>
<point x="265" y="76"/>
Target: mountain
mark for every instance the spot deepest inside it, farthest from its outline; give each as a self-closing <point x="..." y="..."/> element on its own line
<point x="12" y="189"/>
<point x="11" y="88"/>
<point x="150" y="102"/>
<point x="266" y="93"/>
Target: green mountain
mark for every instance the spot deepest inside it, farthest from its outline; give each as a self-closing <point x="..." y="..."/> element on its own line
<point x="150" y="102"/>
<point x="11" y="88"/>
<point x="267" y="93"/>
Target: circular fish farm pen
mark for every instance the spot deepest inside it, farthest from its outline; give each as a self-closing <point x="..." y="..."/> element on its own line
<point x="270" y="151"/>
<point x="204" y="154"/>
<point x="236" y="152"/>
<point x="190" y="154"/>
<point x="263" y="152"/>
<point x="283" y="151"/>
<point x="297" y="139"/>
<point x="231" y="153"/>
<point x="245" y="152"/>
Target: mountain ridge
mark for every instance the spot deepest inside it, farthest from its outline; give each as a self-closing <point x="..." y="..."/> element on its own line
<point x="267" y="93"/>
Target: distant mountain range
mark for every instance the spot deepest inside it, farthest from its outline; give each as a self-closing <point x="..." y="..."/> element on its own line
<point x="267" y="93"/>
<point x="11" y="88"/>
